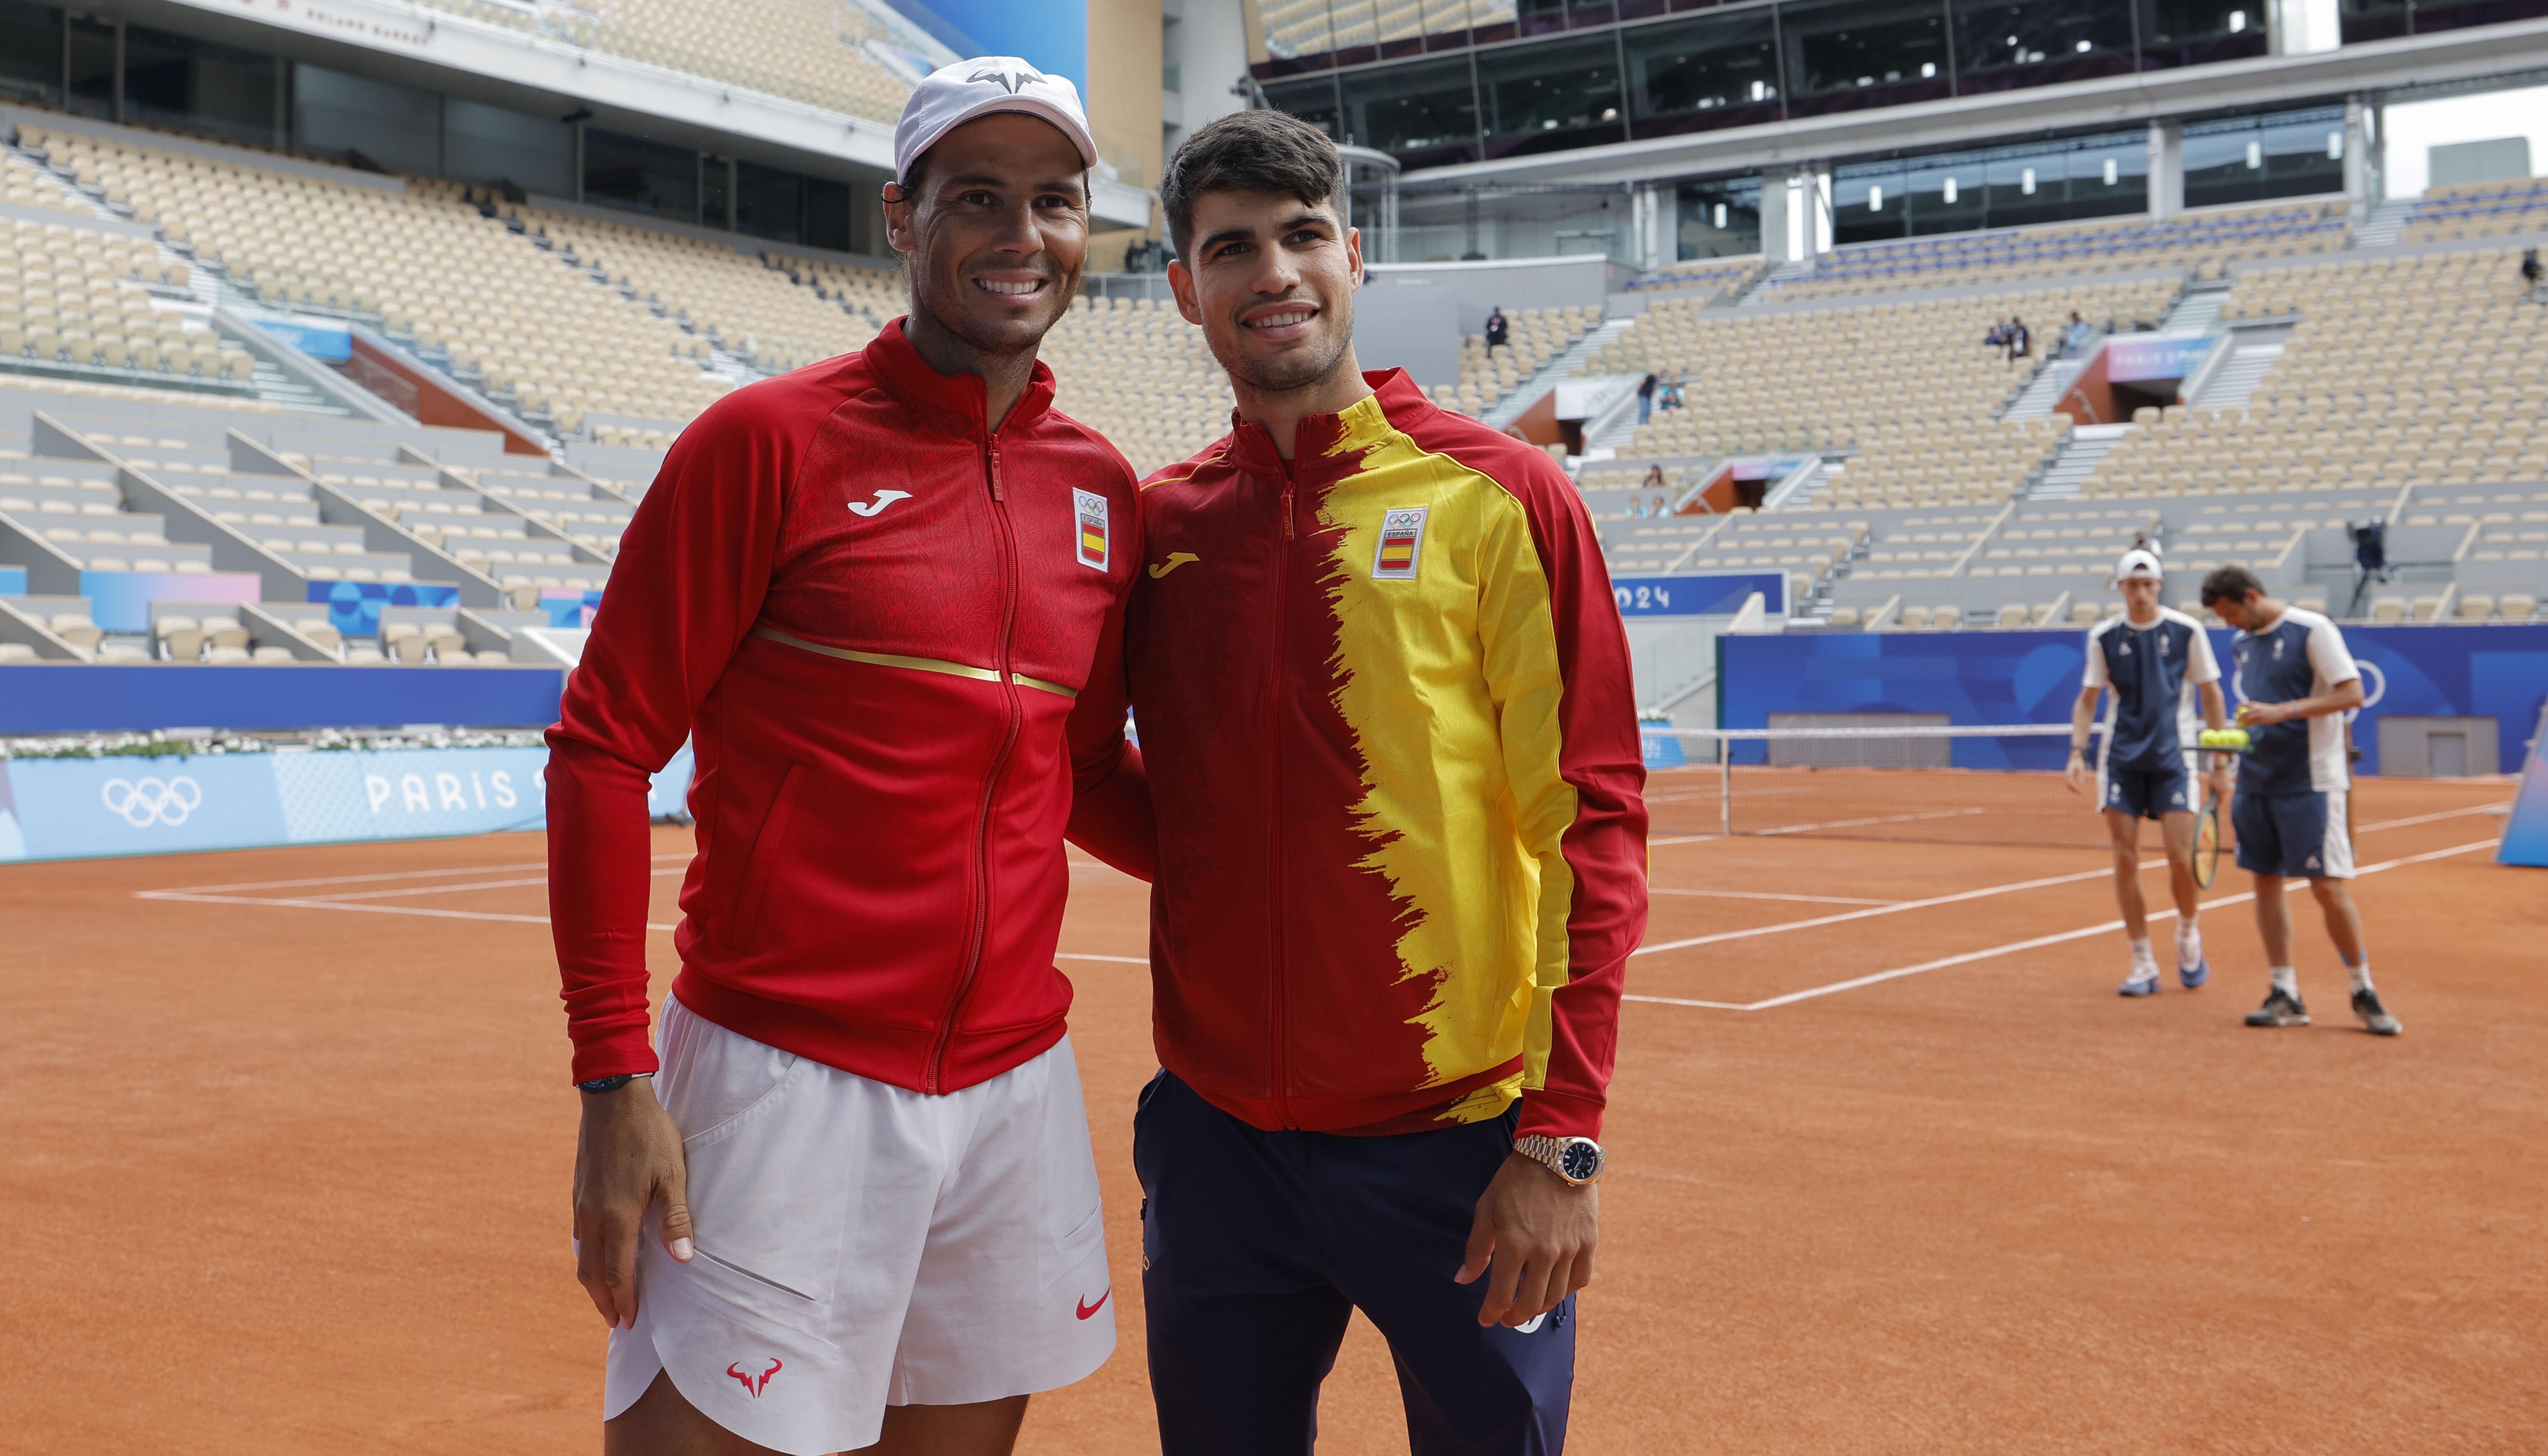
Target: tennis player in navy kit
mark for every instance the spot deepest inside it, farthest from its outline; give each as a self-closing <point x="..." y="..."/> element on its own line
<point x="2155" y="661"/>
<point x="2296" y="683"/>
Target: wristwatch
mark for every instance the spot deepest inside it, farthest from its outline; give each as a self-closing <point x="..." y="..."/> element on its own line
<point x="1578" y="1160"/>
<point x="610" y="1084"/>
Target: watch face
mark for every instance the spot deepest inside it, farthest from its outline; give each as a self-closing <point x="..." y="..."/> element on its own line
<point x="1580" y="1158"/>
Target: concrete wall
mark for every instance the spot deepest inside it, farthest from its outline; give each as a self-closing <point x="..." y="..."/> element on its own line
<point x="1512" y="284"/>
<point x="1409" y="322"/>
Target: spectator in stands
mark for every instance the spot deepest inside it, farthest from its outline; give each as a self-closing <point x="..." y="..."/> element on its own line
<point x="1654" y="479"/>
<point x="2020" y="340"/>
<point x="1663" y="506"/>
<point x="937" y="1113"/>
<point x="1670" y="398"/>
<point x="1997" y="338"/>
<point x="1499" y="332"/>
<point x="2530" y="272"/>
<point x="2076" y="339"/>
<point x="1646" y="388"/>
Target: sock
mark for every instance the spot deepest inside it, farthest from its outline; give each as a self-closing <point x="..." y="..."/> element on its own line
<point x="2286" y="981"/>
<point x="2142" y="954"/>
<point x="2189" y="942"/>
<point x="2361" y="974"/>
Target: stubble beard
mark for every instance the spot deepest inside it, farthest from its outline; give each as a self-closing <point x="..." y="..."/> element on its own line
<point x="1297" y="370"/>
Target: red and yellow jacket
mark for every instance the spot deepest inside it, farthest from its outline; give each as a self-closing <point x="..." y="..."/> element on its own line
<point x="871" y="613"/>
<point x="1390" y="742"/>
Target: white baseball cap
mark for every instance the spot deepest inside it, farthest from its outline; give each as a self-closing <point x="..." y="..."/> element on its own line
<point x="2140" y="563"/>
<point x="952" y="95"/>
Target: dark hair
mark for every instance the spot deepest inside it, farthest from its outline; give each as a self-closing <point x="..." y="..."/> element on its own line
<point x="2231" y="584"/>
<point x="1249" y="151"/>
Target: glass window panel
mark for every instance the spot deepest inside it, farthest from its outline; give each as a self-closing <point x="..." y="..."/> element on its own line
<point x="2258" y="158"/>
<point x="2371" y="20"/>
<point x="1493" y="20"/>
<point x="769" y="202"/>
<point x="200" y="86"/>
<point x="2110" y="176"/>
<point x="1720" y="219"/>
<point x="1424" y="115"/>
<point x="336" y="115"/>
<point x="2192" y="32"/>
<point x="2446" y="15"/>
<point x="1843" y="55"/>
<point x="1949" y="193"/>
<point x="1868" y="204"/>
<point x="1314" y="102"/>
<point x="2005" y="44"/>
<point x="91" y="82"/>
<point x="1689" y="75"/>
<point x="1541" y="17"/>
<point x="31" y="52"/>
<point x="642" y="176"/>
<point x="1543" y="98"/>
<point x="1295" y="27"/>
<point x="485" y="143"/>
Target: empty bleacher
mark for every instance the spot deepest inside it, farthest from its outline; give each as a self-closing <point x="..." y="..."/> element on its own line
<point x="76" y="303"/>
<point x="534" y="331"/>
<point x="807" y="51"/>
<point x="1137" y="372"/>
<point x="2477" y="210"/>
<point x="1907" y="385"/>
<point x="2206" y="243"/>
<point x="1536" y="335"/>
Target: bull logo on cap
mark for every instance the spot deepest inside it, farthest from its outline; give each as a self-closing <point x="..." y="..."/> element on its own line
<point x="1011" y="82"/>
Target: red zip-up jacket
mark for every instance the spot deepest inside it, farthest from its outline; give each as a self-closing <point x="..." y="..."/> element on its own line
<point x="871" y="615"/>
<point x="1389" y="742"/>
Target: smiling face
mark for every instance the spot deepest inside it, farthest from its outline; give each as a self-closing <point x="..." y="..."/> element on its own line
<point x="996" y="236"/>
<point x="1271" y="280"/>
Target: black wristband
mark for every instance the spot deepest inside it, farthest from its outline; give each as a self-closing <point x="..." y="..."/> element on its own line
<point x="610" y="1084"/>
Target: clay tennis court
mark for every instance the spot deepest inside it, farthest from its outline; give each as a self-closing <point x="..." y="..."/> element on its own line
<point x="1894" y="1168"/>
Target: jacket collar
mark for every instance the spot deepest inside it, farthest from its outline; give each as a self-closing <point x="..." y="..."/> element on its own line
<point x="1316" y="456"/>
<point x="907" y="374"/>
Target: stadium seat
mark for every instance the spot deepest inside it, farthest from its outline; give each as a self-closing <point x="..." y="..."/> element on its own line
<point x="2473" y="607"/>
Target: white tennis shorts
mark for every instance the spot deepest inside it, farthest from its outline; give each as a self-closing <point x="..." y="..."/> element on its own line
<point x="860" y="1246"/>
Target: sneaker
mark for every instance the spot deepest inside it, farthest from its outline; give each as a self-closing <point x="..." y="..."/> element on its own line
<point x="2190" y="976"/>
<point x="2375" y="1017"/>
<point x="2279" y="1010"/>
<point x="2143" y="982"/>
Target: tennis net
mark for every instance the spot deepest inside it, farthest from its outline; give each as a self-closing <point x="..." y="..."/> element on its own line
<point x="1936" y="785"/>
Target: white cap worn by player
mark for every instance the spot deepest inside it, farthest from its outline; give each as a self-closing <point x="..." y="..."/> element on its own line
<point x="952" y="95"/>
<point x="2140" y="562"/>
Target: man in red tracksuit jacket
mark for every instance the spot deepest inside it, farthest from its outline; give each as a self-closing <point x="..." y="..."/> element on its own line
<point x="1391" y="795"/>
<point x="869" y="593"/>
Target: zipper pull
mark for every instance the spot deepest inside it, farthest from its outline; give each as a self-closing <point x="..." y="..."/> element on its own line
<point x="1287" y="512"/>
<point x="996" y="493"/>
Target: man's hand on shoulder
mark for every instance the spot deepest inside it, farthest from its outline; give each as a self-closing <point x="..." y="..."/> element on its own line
<point x="1538" y="1231"/>
<point x="627" y="1154"/>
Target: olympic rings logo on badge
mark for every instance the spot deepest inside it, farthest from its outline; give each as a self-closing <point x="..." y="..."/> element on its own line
<point x="146" y="801"/>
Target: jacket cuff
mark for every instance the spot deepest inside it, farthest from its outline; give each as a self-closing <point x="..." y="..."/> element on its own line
<point x="1546" y="1113"/>
<point x="612" y="1055"/>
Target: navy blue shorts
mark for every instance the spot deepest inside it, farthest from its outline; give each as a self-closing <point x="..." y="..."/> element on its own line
<point x="2148" y="793"/>
<point x="1256" y="1247"/>
<point x="2295" y="836"/>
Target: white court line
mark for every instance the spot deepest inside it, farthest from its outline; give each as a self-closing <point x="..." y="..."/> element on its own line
<point x="1655" y="889"/>
<point x="2037" y="943"/>
<point x="293" y="884"/>
<point x="1116" y="960"/>
<point x="669" y="872"/>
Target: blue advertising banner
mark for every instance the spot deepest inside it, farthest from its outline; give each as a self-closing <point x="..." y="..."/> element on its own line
<point x="318" y="340"/>
<point x="1987" y="678"/>
<point x="1715" y="595"/>
<point x="13" y="580"/>
<point x="86" y="808"/>
<point x="2134" y="358"/>
<point x="120" y="602"/>
<point x="143" y="697"/>
<point x="354" y="608"/>
<point x="2525" y="834"/>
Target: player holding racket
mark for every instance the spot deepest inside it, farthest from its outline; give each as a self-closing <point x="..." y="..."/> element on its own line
<point x="2154" y="662"/>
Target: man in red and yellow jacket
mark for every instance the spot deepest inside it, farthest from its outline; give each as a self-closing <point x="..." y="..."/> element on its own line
<point x="1390" y="790"/>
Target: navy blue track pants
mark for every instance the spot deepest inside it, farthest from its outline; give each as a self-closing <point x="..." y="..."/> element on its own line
<point x="1256" y="1247"/>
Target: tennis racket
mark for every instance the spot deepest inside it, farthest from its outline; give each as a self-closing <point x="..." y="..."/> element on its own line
<point x="2207" y="841"/>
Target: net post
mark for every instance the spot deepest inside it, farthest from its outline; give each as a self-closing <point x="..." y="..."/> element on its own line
<point x="1725" y="787"/>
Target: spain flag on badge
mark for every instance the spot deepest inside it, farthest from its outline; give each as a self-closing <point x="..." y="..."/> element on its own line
<point x="1091" y="509"/>
<point x="1402" y="537"/>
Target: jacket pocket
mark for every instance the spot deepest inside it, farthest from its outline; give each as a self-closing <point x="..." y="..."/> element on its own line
<point x="760" y="865"/>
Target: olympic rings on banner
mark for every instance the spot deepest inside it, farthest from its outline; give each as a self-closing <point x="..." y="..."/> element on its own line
<point x="146" y="801"/>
